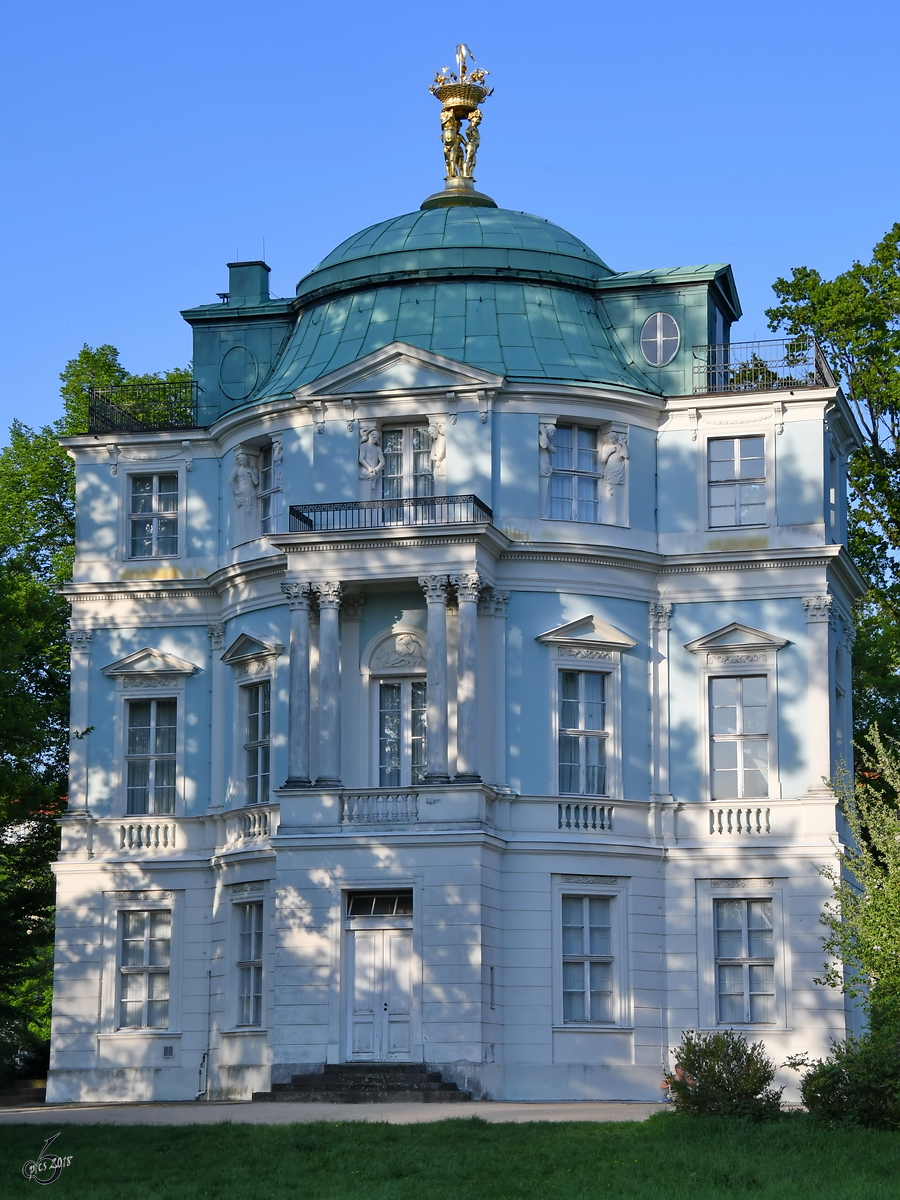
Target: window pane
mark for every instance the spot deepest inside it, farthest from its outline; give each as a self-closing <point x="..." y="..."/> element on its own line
<point x="601" y="991"/>
<point x="569" y="765"/>
<point x="756" y="768"/>
<point x="724" y="695"/>
<point x="166" y="717"/>
<point x="253" y="714"/>
<point x="568" y="700"/>
<point x="594" y="766"/>
<point x="137" y="786"/>
<point x="762" y="993"/>
<point x="141" y="539"/>
<point x="759" y="924"/>
<point x="419" y="695"/>
<point x="265" y="704"/>
<point x="754" y="703"/>
<point x="141" y="493"/>
<point x="158" y="1000"/>
<point x="752" y="452"/>
<point x="725" y="776"/>
<point x="722" y="506"/>
<point x="587" y="450"/>
<point x="721" y="459"/>
<point x="561" y="491"/>
<point x="594" y="697"/>
<point x="389" y="735"/>
<point x="573" y="992"/>
<point x="599" y="912"/>
<point x="164" y="786"/>
<point x="573" y="925"/>
<point x="167" y="499"/>
<point x="167" y="537"/>
<point x="563" y="442"/>
<point x="729" y="924"/>
<point x="139" y="727"/>
<point x="587" y="507"/>
<point x="731" y="994"/>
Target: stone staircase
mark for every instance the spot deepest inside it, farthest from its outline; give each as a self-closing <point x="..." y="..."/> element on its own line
<point x="369" y="1083"/>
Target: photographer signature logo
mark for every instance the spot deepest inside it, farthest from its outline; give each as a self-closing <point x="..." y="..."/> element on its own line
<point x="46" y="1168"/>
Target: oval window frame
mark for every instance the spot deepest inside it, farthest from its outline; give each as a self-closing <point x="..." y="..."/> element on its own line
<point x="660" y="338"/>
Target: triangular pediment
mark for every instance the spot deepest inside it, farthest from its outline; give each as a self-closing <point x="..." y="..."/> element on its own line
<point x="150" y="662"/>
<point x="736" y="636"/>
<point x="247" y="646"/>
<point x="400" y="367"/>
<point x="587" y="631"/>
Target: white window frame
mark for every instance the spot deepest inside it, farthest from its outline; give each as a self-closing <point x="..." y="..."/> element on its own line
<point x="739" y="737"/>
<point x="244" y="690"/>
<point x="660" y="312"/>
<point x="147" y="686"/>
<point x="372" y="677"/>
<point x="408" y="476"/>
<point x="259" y="666"/>
<point x="159" y="467"/>
<point x="710" y="890"/>
<point x="272" y="495"/>
<point x="146" y="969"/>
<point x="764" y="427"/>
<point x="712" y="486"/>
<point x="595" y="475"/>
<point x="257" y="892"/>
<point x="615" y="890"/>
<point x="601" y="661"/>
<point x="728" y="663"/>
<point x="240" y="905"/>
<point x="153" y="756"/>
<point x="405" y="683"/>
<point x="152" y="900"/>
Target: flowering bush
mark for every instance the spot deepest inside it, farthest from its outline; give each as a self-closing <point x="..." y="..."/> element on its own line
<point x="721" y="1074"/>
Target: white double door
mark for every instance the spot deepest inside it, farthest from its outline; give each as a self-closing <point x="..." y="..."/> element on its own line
<point x="380" y="1003"/>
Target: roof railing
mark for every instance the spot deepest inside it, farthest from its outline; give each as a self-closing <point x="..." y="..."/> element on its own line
<point x="143" y="407"/>
<point x="761" y="366"/>
<point x="380" y="514"/>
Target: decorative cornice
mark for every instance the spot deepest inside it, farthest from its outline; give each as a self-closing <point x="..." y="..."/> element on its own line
<point x="590" y="879"/>
<point x="741" y="883"/>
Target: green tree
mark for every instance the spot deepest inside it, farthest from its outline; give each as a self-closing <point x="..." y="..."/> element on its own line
<point x="855" y="317"/>
<point x="37" y="531"/>
<point x="862" y="919"/>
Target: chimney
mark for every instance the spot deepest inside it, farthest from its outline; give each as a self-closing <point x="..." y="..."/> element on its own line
<point x="248" y="283"/>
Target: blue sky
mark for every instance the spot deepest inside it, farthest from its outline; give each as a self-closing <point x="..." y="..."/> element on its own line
<point x="147" y="144"/>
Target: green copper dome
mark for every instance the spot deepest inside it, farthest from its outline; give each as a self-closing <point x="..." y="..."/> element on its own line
<point x="461" y="242"/>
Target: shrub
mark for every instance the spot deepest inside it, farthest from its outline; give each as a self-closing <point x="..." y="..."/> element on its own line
<point x="858" y="1082"/>
<point x="721" y="1074"/>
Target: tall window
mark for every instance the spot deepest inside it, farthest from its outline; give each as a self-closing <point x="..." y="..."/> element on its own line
<point x="587" y="958"/>
<point x="745" y="962"/>
<point x="408" y="470"/>
<point x="150" y="757"/>
<point x="582" y="733"/>
<point x="154" y="516"/>
<point x="269" y="488"/>
<point x="144" y="970"/>
<point x="576" y="472"/>
<point x="737" y="481"/>
<point x="256" y="747"/>
<point x="739" y="724"/>
<point x="401" y="732"/>
<point x="250" y="952"/>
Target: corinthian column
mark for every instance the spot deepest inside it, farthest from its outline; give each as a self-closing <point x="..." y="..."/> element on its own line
<point x="467" y="588"/>
<point x="435" y="588"/>
<point x="820" y="616"/>
<point x="329" y="685"/>
<point x="80" y="643"/>
<point x="298" y="711"/>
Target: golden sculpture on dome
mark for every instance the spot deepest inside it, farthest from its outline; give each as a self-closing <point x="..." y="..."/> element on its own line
<point x="460" y="93"/>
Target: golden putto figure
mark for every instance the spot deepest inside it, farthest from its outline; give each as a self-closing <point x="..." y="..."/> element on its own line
<point x="460" y="93"/>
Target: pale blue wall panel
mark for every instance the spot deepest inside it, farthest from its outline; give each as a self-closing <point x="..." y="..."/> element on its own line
<point x="642" y="481"/>
<point x="678" y="464"/>
<point x="799" y="473"/>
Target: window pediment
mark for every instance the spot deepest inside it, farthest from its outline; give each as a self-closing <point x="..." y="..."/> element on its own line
<point x="588" y="637"/>
<point x="401" y="367"/>
<point x="247" y="647"/>
<point x="736" y="637"/>
<point x="150" y="662"/>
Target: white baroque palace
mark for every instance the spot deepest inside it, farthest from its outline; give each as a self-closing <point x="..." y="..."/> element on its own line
<point x="463" y="659"/>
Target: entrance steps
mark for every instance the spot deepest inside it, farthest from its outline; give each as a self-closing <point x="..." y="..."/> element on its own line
<point x="369" y="1083"/>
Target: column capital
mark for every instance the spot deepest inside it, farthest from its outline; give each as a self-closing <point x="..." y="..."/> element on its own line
<point x="819" y="609"/>
<point x="297" y="594"/>
<point x="660" y="614"/>
<point x="352" y="605"/>
<point x="493" y="602"/>
<point x="435" y="588"/>
<point x="468" y="585"/>
<point x="216" y="633"/>
<point x="79" y="639"/>
<point x="329" y="594"/>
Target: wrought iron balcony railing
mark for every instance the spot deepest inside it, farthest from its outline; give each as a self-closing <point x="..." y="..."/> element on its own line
<point x="378" y="514"/>
<point x="143" y="407"/>
<point x="763" y="366"/>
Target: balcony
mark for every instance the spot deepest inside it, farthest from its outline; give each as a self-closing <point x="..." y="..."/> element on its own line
<point x="772" y="365"/>
<point x="382" y="514"/>
<point x="143" y="407"/>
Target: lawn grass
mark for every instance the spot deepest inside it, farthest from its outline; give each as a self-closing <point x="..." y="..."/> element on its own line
<point x="668" y="1157"/>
